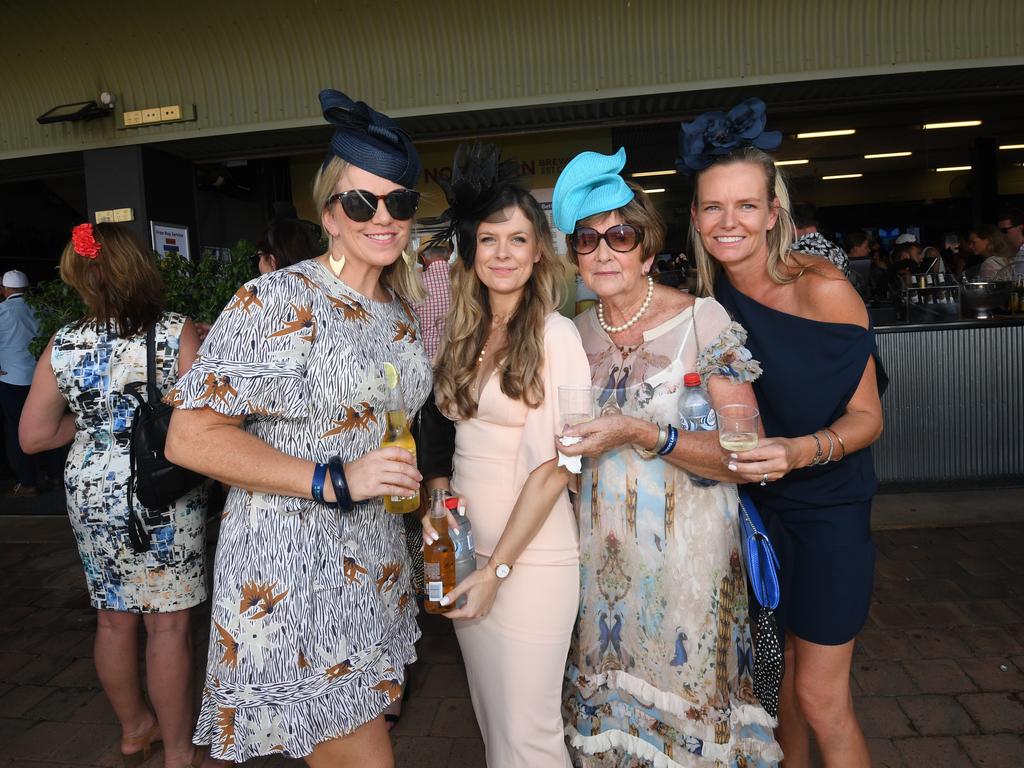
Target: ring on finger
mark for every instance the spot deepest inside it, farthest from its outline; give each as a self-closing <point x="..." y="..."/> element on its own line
<point x="764" y="479"/>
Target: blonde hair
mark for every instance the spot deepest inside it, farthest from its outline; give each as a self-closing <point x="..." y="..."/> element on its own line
<point x="122" y="287"/>
<point x="638" y="212"/>
<point x="783" y="268"/>
<point x="469" y="322"/>
<point x="400" y="277"/>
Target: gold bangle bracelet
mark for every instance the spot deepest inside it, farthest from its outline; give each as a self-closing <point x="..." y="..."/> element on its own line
<point x="841" y="443"/>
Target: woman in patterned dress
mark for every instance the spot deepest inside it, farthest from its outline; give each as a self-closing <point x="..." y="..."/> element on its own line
<point x="313" y="616"/>
<point x="660" y="669"/>
<point x="88" y="366"/>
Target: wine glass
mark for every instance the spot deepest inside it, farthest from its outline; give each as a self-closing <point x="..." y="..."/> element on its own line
<point x="575" y="404"/>
<point x="737" y="427"/>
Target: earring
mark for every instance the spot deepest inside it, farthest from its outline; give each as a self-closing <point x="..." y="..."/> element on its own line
<point x="336" y="264"/>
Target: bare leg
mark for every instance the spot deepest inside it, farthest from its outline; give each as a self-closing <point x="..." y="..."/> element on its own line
<point x="116" y="655"/>
<point x="793" y="733"/>
<point x="169" y="680"/>
<point x="369" y="746"/>
<point x="823" y="692"/>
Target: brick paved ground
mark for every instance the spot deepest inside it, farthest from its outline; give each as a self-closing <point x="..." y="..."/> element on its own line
<point x="938" y="676"/>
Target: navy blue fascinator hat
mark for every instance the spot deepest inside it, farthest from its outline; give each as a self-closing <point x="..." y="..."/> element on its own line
<point x="369" y="140"/>
<point x="716" y="134"/>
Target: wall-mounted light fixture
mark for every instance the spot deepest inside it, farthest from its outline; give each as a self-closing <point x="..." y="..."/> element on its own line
<point x="73" y="113"/>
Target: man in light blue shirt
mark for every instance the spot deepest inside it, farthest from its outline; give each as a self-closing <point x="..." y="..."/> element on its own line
<point x="18" y="326"/>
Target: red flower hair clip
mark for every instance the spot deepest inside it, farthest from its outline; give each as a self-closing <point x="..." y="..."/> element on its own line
<point x="83" y="242"/>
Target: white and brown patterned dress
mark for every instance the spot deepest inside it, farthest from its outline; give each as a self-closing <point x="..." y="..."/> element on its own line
<point x="313" y="619"/>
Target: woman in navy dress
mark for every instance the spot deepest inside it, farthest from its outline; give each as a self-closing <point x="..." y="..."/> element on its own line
<point x="812" y="478"/>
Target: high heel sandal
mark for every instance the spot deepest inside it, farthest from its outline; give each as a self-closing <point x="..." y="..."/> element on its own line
<point x="198" y="753"/>
<point x="149" y="741"/>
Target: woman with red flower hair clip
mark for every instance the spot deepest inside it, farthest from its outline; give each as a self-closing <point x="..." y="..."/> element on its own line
<point x="89" y="366"/>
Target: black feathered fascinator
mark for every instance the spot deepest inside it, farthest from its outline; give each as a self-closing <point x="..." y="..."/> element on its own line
<point x="715" y="134"/>
<point x="477" y="188"/>
<point x="370" y="140"/>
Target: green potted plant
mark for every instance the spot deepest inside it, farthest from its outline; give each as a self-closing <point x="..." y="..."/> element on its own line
<point x="199" y="289"/>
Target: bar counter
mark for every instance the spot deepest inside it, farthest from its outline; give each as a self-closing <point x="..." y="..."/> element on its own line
<point x="954" y="409"/>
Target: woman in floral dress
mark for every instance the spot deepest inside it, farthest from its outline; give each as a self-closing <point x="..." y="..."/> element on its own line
<point x="91" y="366"/>
<point x="660" y="670"/>
<point x="313" y="618"/>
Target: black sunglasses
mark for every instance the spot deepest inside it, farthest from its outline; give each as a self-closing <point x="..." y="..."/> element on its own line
<point x="622" y="238"/>
<point x="1006" y="230"/>
<point x="361" y="205"/>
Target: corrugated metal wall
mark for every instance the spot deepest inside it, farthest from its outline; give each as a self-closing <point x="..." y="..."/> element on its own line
<point x="954" y="409"/>
<point x="259" y="64"/>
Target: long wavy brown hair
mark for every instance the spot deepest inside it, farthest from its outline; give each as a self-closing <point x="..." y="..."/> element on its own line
<point x="121" y="288"/>
<point x="520" y="362"/>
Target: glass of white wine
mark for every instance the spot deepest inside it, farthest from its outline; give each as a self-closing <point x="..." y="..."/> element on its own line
<point x="737" y="427"/>
<point x="575" y="404"/>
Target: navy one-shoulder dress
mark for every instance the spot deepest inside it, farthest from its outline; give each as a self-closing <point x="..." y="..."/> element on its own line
<point x="817" y="517"/>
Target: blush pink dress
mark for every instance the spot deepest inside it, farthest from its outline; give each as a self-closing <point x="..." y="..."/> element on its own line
<point x="516" y="655"/>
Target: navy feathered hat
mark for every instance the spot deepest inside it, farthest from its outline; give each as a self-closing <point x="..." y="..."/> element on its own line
<point x="370" y="140"/>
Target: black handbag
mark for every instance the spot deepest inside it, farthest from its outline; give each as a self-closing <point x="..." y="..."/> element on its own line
<point x="763" y="590"/>
<point x="154" y="482"/>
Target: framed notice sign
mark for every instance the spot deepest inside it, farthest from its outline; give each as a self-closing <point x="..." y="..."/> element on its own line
<point x="169" y="238"/>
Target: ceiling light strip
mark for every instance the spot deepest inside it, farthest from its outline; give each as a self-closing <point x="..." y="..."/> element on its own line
<point x="826" y="134"/>
<point x="842" y="176"/>
<point x="642" y="174"/>
<point x="880" y="155"/>
<point x="953" y="124"/>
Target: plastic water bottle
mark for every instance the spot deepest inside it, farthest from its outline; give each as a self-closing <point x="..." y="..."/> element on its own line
<point x="465" y="552"/>
<point x="696" y="414"/>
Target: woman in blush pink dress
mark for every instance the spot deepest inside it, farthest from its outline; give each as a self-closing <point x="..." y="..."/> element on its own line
<point x="506" y="351"/>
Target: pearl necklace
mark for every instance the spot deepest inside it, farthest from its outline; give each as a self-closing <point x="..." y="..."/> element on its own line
<point x="632" y="321"/>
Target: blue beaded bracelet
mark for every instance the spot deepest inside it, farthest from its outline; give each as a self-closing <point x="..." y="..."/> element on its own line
<point x="673" y="438"/>
<point x="319" y="476"/>
<point x="340" y="484"/>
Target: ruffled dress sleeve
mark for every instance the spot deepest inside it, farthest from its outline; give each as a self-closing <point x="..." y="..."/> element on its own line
<point x="565" y="362"/>
<point x="253" y="362"/>
<point x="722" y="347"/>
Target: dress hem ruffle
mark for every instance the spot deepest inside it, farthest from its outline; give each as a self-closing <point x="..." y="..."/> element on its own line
<point x="634" y="745"/>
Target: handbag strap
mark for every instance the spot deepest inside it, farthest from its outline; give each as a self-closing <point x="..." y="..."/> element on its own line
<point x="153" y="394"/>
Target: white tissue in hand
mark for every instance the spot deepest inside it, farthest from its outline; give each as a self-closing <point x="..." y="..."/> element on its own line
<point x="573" y="463"/>
<point x="570" y="440"/>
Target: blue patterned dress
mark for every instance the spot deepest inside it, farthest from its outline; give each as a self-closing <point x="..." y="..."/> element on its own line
<point x="660" y="668"/>
<point x="313" y="619"/>
<point x="93" y="367"/>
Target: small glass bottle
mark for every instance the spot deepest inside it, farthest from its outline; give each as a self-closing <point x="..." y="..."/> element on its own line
<point x="438" y="557"/>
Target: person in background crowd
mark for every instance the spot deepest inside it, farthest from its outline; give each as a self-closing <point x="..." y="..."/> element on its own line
<point x="313" y="617"/>
<point x="906" y="259"/>
<point x="88" y="366"/>
<point x="671" y="684"/>
<point x="1011" y="224"/>
<point x="18" y="326"/>
<point x="858" y="248"/>
<point x="812" y="477"/>
<point x="287" y="242"/>
<point x="505" y="353"/>
<point x="987" y="241"/>
<point x="810" y="240"/>
<point x="433" y="311"/>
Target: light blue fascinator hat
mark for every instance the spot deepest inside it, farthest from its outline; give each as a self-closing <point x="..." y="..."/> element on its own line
<point x="589" y="184"/>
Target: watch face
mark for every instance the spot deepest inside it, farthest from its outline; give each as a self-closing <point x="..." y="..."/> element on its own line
<point x="502" y="571"/>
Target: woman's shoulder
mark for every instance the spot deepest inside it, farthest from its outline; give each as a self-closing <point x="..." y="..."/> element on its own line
<point x="823" y="293"/>
<point x="558" y="326"/>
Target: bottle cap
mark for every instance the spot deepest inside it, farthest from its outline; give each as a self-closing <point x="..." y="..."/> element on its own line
<point x="692" y="379"/>
<point x="452" y="503"/>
